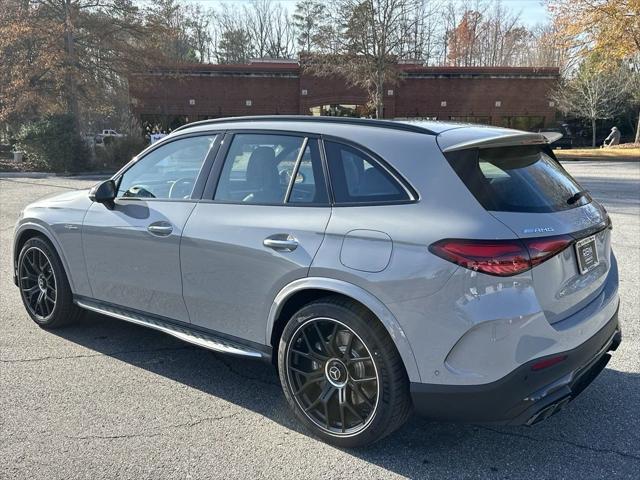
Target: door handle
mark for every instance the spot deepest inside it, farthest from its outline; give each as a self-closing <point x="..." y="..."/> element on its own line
<point x="282" y="241"/>
<point x="160" y="229"/>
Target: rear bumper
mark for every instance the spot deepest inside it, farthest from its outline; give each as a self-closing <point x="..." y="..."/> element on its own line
<point x="524" y="396"/>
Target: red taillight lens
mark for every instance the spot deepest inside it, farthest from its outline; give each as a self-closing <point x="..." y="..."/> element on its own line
<point x="541" y="249"/>
<point x="495" y="257"/>
<point x="502" y="258"/>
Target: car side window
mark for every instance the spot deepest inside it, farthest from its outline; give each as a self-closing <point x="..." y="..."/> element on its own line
<point x="357" y="178"/>
<point x="272" y="169"/>
<point x="168" y="172"/>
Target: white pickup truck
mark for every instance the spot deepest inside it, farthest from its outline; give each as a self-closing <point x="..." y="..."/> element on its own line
<point x="111" y="133"/>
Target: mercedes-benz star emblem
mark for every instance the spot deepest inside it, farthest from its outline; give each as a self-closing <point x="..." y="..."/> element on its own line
<point x="334" y="373"/>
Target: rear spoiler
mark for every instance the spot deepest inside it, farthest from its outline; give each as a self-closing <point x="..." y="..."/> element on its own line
<point x="503" y="139"/>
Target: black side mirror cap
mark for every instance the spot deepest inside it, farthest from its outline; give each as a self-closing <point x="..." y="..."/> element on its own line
<point x="104" y="193"/>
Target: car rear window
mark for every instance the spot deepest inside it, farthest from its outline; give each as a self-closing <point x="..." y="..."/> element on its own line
<point x="516" y="179"/>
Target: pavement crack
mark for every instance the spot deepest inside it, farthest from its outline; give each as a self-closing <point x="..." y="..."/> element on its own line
<point x="189" y="424"/>
<point x="92" y="355"/>
<point x="560" y="440"/>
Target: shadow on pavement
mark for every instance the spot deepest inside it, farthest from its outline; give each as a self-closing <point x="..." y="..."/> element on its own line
<point x="602" y="422"/>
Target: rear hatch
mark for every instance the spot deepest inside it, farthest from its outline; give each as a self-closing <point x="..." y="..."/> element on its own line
<point x="531" y="193"/>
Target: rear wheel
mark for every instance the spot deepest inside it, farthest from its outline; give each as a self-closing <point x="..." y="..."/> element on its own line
<point x="342" y="374"/>
<point x="44" y="287"/>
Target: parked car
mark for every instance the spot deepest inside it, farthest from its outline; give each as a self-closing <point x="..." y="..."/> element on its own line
<point x="382" y="267"/>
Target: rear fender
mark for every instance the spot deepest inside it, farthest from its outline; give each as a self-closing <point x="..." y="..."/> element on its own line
<point x="367" y="299"/>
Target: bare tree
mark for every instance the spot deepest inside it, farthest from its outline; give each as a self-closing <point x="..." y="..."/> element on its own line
<point x="258" y="24"/>
<point x="198" y="24"/>
<point x="234" y="43"/>
<point x="281" y="42"/>
<point x="596" y="92"/>
<point x="369" y="45"/>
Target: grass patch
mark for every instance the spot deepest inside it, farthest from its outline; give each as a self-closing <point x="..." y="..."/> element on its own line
<point x="599" y="154"/>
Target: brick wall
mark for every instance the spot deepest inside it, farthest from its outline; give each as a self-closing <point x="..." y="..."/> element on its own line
<point x="204" y="91"/>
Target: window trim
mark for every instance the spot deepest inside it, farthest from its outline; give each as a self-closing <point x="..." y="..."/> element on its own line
<point x="201" y="177"/>
<point x="208" y="195"/>
<point x="296" y="167"/>
<point x="373" y="159"/>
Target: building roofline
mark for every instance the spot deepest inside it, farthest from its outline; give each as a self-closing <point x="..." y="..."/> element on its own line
<point x="273" y="66"/>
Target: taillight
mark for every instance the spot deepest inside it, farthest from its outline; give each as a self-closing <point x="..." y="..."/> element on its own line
<point x="542" y="249"/>
<point x="502" y="258"/>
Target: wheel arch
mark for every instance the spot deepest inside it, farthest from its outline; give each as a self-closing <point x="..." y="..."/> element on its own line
<point x="300" y="292"/>
<point x="29" y="230"/>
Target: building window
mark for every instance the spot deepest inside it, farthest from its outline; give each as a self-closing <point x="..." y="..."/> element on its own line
<point x="523" y="122"/>
<point x="390" y="93"/>
<point x="304" y="91"/>
<point x="192" y="101"/>
<point x="443" y="103"/>
<point x="341" y="110"/>
<point x="498" y="103"/>
<point x="248" y="103"/>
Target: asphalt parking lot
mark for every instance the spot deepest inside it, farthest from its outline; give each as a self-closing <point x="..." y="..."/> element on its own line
<point x="106" y="399"/>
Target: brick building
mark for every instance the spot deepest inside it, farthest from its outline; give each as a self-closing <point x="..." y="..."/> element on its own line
<point x="505" y="96"/>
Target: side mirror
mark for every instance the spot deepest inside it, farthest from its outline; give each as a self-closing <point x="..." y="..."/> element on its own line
<point x="104" y="193"/>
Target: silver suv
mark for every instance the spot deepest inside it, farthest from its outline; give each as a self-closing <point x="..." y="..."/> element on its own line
<point x="453" y="269"/>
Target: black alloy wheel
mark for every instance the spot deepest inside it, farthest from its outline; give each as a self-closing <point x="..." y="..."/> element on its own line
<point x="44" y="287"/>
<point x="333" y="376"/>
<point x="38" y="283"/>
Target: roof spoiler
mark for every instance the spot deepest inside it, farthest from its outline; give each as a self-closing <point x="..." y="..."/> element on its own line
<point x="501" y="140"/>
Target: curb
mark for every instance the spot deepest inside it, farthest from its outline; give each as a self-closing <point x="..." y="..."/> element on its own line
<point x="79" y="175"/>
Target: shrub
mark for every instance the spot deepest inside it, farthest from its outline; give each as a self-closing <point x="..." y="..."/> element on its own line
<point x="117" y="151"/>
<point x="53" y="144"/>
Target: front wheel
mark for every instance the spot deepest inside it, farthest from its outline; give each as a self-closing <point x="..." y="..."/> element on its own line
<point x="44" y="286"/>
<point x="341" y="373"/>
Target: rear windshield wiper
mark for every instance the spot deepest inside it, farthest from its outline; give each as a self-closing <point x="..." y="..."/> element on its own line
<point x="577" y="196"/>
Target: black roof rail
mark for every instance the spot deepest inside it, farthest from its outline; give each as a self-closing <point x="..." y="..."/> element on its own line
<point x="307" y="118"/>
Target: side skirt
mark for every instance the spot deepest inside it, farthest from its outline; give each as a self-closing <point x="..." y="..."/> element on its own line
<point x="205" y="339"/>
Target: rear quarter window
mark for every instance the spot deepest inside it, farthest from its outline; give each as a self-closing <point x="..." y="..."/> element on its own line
<point x="516" y="179"/>
<point x="357" y="178"/>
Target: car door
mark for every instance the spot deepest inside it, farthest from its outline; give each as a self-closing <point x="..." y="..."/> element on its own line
<point x="259" y="231"/>
<point x="133" y="250"/>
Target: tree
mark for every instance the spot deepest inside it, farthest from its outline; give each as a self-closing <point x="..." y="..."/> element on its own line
<point x="67" y="56"/>
<point x="308" y="22"/>
<point x="32" y="65"/>
<point x="234" y="46"/>
<point x="609" y="28"/>
<point x="168" y="23"/>
<point x="596" y="92"/>
<point x="369" y="45"/>
<point x="281" y="36"/>
<point x="198" y="25"/>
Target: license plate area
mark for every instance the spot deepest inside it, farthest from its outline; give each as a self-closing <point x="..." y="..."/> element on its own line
<point x="587" y="254"/>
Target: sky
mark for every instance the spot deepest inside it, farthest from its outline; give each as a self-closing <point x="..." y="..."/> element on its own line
<point x="532" y="11"/>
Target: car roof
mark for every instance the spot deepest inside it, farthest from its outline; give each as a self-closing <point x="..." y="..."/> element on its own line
<point x="450" y="135"/>
<point x="309" y="122"/>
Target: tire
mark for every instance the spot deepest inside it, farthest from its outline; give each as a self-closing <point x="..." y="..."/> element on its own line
<point x="328" y="382"/>
<point x="44" y="287"/>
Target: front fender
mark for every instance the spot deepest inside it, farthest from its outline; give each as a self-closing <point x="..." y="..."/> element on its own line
<point x="41" y="228"/>
<point x="359" y="294"/>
